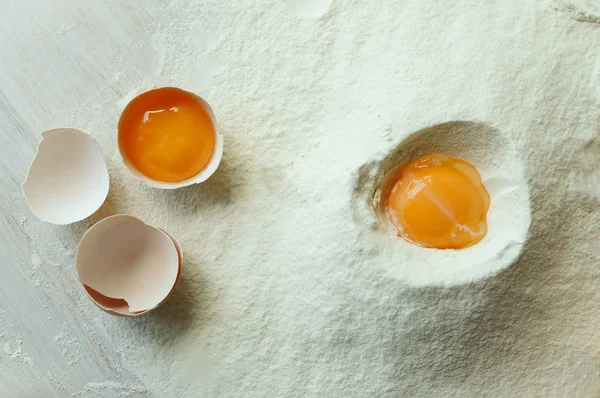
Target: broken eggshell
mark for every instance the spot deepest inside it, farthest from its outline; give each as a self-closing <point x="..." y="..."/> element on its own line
<point x="203" y="175"/>
<point x="68" y="178"/>
<point x="128" y="267"/>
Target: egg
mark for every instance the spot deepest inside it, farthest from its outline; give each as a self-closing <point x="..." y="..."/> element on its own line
<point x="68" y="178"/>
<point x="168" y="138"/>
<point x="445" y="205"/>
<point x="437" y="201"/>
<point x="126" y="266"/>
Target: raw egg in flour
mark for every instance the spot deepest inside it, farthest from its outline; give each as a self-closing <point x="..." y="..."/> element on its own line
<point x="437" y="201"/>
<point x="168" y="138"/>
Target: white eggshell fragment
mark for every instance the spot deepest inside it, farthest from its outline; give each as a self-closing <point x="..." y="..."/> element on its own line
<point x="68" y="178"/>
<point x="122" y="258"/>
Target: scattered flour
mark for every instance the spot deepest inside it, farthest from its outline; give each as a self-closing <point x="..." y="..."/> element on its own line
<point x="508" y="218"/>
<point x="111" y="389"/>
<point x="283" y="293"/>
<point x="15" y="352"/>
<point x="580" y="10"/>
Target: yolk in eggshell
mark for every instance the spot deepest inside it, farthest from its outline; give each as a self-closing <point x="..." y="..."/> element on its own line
<point x="438" y="201"/>
<point x="167" y="134"/>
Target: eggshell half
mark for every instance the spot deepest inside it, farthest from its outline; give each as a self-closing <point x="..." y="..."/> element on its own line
<point x="119" y="307"/>
<point x="122" y="258"/>
<point x="68" y="178"/>
<point x="204" y="175"/>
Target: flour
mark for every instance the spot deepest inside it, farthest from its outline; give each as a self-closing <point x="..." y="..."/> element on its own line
<point x="508" y="218"/>
<point x="580" y="10"/>
<point x="283" y="292"/>
<point x="15" y="352"/>
<point x="285" y="289"/>
<point x="111" y="389"/>
<point x="309" y="8"/>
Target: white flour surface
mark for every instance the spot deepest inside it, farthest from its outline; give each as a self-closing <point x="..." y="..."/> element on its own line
<point x="283" y="292"/>
<point x="508" y="218"/>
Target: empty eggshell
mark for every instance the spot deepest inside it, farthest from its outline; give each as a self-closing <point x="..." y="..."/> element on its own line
<point x="203" y="175"/>
<point x="119" y="307"/>
<point x="127" y="267"/>
<point x="68" y="178"/>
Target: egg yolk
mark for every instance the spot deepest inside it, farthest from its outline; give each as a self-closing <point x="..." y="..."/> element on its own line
<point x="167" y="134"/>
<point x="438" y="202"/>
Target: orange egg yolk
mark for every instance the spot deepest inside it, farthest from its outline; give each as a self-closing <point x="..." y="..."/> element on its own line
<point x="438" y="202"/>
<point x="167" y="134"/>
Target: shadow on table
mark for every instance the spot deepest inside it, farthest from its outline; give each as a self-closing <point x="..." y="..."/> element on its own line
<point x="187" y="305"/>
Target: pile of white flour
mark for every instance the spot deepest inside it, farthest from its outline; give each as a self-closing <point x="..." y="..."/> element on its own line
<point x="281" y="294"/>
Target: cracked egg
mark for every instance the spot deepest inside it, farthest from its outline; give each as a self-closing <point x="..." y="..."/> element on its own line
<point x="168" y="138"/>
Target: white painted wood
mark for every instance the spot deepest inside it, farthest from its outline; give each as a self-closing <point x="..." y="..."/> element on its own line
<point x="57" y="58"/>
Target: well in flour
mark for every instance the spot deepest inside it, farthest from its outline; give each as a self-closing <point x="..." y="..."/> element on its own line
<point x="508" y="217"/>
